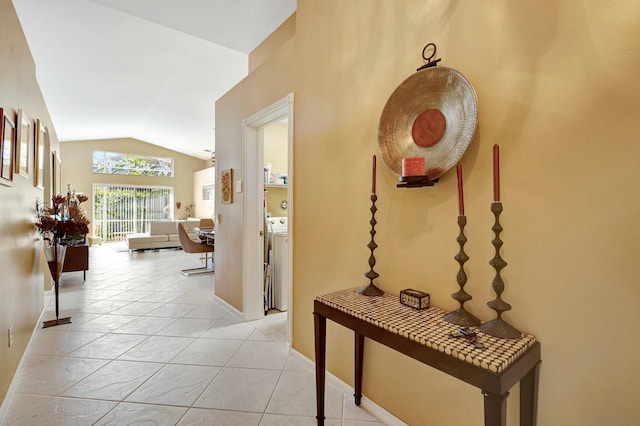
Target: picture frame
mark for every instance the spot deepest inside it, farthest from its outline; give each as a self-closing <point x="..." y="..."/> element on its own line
<point x="39" y="157"/>
<point x="58" y="174"/>
<point x="24" y="134"/>
<point x="226" y="180"/>
<point x="208" y="192"/>
<point x="7" y="149"/>
<point x="54" y="174"/>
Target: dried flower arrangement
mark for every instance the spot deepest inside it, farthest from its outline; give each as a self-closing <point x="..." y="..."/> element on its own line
<point x="65" y="222"/>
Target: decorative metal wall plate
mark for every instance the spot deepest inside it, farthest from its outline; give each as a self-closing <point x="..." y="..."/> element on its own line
<point x="432" y="114"/>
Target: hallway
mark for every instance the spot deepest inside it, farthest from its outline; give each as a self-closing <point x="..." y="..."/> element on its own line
<point x="149" y="346"/>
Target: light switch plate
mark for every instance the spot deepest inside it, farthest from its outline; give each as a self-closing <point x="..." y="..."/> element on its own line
<point x="239" y="185"/>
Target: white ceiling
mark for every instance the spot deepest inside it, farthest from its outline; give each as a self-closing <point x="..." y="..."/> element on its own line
<point x="145" y="69"/>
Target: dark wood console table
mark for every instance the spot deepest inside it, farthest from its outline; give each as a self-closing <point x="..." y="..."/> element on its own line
<point x="77" y="259"/>
<point x="424" y="336"/>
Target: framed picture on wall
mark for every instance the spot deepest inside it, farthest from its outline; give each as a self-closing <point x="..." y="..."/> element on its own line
<point x="208" y="192"/>
<point x="54" y="174"/>
<point x="227" y="186"/>
<point x="58" y="186"/>
<point x="24" y="134"/>
<point x="39" y="158"/>
<point x="7" y="148"/>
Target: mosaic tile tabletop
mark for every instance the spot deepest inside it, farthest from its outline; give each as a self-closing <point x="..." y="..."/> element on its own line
<point x="428" y="328"/>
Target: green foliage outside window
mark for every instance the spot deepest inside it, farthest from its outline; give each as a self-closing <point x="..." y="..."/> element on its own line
<point x="122" y="210"/>
<point x="116" y="163"/>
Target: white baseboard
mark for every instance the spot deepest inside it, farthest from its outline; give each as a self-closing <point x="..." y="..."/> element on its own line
<point x="230" y="308"/>
<point x="48" y="294"/>
<point x="383" y="415"/>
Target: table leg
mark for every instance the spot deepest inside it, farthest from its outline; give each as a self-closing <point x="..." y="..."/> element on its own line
<point x="320" y="328"/>
<point x="359" y="356"/>
<point x="495" y="409"/>
<point x="529" y="397"/>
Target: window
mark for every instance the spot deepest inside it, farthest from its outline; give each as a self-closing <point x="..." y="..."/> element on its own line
<point x="208" y="191"/>
<point x="119" y="210"/>
<point x="117" y="163"/>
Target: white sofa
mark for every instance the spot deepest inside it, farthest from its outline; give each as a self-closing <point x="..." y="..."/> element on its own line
<point x="162" y="234"/>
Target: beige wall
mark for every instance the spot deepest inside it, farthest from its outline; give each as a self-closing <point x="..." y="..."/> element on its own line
<point x="268" y="84"/>
<point x="275" y="137"/>
<point x="21" y="264"/>
<point x="558" y="90"/>
<point x="275" y="147"/>
<point x="77" y="169"/>
<point x="285" y="32"/>
<point x="204" y="208"/>
<point x="275" y="195"/>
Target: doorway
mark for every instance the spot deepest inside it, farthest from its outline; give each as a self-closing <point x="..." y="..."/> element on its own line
<point x="255" y="229"/>
<point x="119" y="210"/>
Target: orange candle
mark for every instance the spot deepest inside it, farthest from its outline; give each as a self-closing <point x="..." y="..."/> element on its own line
<point x="413" y="166"/>
<point x="496" y="172"/>
<point x="460" y="193"/>
<point x="373" y="177"/>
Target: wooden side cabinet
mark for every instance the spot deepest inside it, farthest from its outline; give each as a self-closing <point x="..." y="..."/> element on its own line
<point x="77" y="259"/>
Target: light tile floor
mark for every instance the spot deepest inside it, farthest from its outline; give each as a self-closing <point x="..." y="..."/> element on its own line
<point x="149" y="346"/>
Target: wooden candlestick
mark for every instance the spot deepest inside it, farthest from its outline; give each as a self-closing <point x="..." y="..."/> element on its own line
<point x="371" y="289"/>
<point x="461" y="316"/>
<point x="498" y="327"/>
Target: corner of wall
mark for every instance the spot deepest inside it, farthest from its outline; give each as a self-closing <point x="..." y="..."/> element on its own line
<point x="275" y="40"/>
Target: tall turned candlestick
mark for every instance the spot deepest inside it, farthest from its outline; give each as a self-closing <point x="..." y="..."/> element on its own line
<point x="371" y="289"/>
<point x="498" y="327"/>
<point x="461" y="316"/>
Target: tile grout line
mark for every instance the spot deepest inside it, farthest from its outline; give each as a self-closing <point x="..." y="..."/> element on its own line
<point x="181" y="291"/>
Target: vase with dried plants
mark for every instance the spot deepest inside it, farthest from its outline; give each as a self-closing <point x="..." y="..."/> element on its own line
<point x="62" y="224"/>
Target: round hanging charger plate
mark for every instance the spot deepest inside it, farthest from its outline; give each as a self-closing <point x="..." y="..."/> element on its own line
<point x="432" y="114"/>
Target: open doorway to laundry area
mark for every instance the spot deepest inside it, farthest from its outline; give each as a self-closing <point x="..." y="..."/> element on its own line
<point x="275" y="211"/>
<point x="268" y="211"/>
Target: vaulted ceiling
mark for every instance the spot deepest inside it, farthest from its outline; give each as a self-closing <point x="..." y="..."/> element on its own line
<point x="146" y="69"/>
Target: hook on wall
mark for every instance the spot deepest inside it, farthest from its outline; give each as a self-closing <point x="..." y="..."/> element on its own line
<point x="430" y="63"/>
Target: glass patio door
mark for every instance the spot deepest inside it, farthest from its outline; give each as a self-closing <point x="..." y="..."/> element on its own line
<point x="119" y="210"/>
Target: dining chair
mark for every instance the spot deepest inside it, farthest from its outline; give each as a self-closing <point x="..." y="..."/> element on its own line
<point x="191" y="246"/>
<point x="205" y="223"/>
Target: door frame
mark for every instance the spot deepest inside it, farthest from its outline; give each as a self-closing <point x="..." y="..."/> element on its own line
<point x="253" y="225"/>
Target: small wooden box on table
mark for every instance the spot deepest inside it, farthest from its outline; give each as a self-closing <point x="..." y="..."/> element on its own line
<point x="424" y="336"/>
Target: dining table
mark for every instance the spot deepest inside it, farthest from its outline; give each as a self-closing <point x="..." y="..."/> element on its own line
<point x="206" y="234"/>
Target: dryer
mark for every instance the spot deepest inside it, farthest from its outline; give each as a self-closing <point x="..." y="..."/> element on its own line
<point x="280" y="270"/>
<point x="278" y="243"/>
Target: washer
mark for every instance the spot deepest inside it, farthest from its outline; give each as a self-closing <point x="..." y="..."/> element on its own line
<point x="278" y="224"/>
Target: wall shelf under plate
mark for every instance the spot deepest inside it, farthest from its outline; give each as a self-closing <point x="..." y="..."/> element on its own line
<point x="415" y="181"/>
